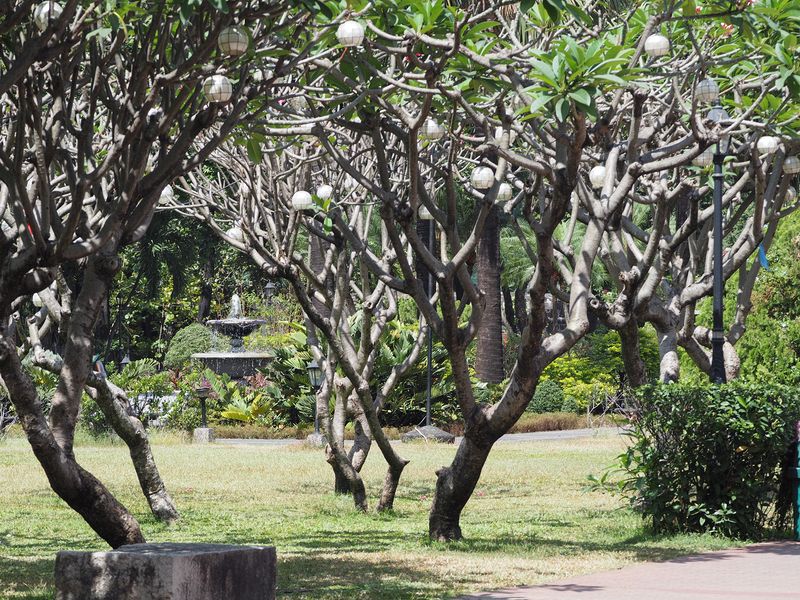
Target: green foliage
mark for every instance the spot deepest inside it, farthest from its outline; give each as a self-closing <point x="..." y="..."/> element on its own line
<point x="548" y="397"/>
<point x="189" y="340"/>
<point x="712" y="458"/>
<point x="592" y="369"/>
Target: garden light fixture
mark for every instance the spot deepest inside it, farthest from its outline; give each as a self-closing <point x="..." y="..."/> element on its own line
<point x="431" y="130"/>
<point x="656" y="45"/>
<point x="482" y="178"/>
<point x="302" y="200"/>
<point x="791" y="165"/>
<point x="767" y="144"/>
<point x="597" y="176"/>
<point x="233" y="41"/>
<point x="707" y="91"/>
<point x="350" y="34"/>
<point x="506" y="192"/>
<point x="218" y="89"/>
<point x="46" y="13"/>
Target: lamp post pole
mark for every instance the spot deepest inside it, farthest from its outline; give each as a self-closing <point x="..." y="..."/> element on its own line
<point x="430" y="335"/>
<point x="717" y="333"/>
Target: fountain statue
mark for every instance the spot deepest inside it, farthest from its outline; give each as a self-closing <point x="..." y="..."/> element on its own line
<point x="236" y="362"/>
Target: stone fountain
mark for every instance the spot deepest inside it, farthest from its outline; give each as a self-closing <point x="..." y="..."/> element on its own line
<point x="236" y="362"/>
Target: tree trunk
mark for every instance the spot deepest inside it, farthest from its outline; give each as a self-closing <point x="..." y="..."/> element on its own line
<point x="454" y="486"/>
<point x="77" y="487"/>
<point x="508" y="309"/>
<point x="489" y="361"/>
<point x="631" y="354"/>
<point x="78" y="351"/>
<point x="521" y="308"/>
<point x="113" y="402"/>
<point x="669" y="369"/>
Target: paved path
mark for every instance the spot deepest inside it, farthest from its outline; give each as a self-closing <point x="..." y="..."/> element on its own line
<point x="509" y="437"/>
<point x="768" y="571"/>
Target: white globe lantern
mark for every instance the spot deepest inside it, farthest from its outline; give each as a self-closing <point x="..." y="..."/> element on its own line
<point x="350" y="183"/>
<point x="656" y="45"/>
<point x="302" y="200"/>
<point x="46" y="13"/>
<point x="791" y="194"/>
<point x="597" y="176"/>
<point x="791" y="165"/>
<point x="324" y="192"/>
<point x="218" y="89"/>
<point x="236" y="234"/>
<point x="505" y="193"/>
<point x="707" y="91"/>
<point x="233" y="40"/>
<point x="350" y="34"/>
<point x="424" y="214"/>
<point x="37" y="300"/>
<point x="431" y="130"/>
<point x="482" y="178"/>
<point x="767" y="144"/>
<point x="705" y="158"/>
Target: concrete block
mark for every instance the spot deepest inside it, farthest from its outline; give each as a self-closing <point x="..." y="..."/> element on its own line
<point x="167" y="572"/>
<point x="428" y="433"/>
<point x="203" y="435"/>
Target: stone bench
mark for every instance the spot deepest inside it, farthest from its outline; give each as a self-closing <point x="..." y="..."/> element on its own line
<point x="167" y="572"/>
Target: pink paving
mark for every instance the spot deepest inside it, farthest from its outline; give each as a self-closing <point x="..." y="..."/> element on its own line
<point x="758" y="572"/>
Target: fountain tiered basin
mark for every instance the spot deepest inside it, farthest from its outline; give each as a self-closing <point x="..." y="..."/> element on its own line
<point x="237" y="362"/>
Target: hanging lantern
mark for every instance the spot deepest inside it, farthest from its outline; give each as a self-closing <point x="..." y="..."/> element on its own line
<point x="705" y="158"/>
<point x="791" y="165"/>
<point x="767" y="144"/>
<point x="424" y="214"/>
<point x="37" y="300"/>
<point x="350" y="34"/>
<point x="482" y="178"/>
<point x="324" y="192"/>
<point x="218" y="89"/>
<point x="236" y="234"/>
<point x="656" y="45"/>
<point x="505" y="193"/>
<point x="791" y="194"/>
<point x="233" y="40"/>
<point x="431" y="130"/>
<point x="46" y="13"/>
<point x="707" y="91"/>
<point x="597" y="176"/>
<point x="302" y="200"/>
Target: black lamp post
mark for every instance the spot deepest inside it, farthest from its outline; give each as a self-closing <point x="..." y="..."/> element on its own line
<point x="315" y="378"/>
<point x="203" y="390"/>
<point x="718" y="114"/>
<point x="425" y="215"/>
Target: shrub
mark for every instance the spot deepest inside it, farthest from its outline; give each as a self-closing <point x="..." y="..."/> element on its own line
<point x="548" y="397"/>
<point x="570" y="405"/>
<point x="187" y="341"/>
<point x="712" y="458"/>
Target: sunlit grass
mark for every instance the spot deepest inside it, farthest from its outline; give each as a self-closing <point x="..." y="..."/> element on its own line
<point x="531" y="518"/>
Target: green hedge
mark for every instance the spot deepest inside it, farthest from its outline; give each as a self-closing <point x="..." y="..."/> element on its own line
<point x="713" y="458"/>
<point x="187" y="341"/>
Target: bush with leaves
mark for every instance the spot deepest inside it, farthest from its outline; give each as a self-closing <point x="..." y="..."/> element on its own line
<point x="549" y="397"/>
<point x="712" y="458"/>
<point x="189" y="340"/>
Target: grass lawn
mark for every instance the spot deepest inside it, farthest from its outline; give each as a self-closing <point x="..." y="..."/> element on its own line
<point x="531" y="519"/>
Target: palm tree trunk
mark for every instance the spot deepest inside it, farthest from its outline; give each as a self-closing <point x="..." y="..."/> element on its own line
<point x="489" y="362"/>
